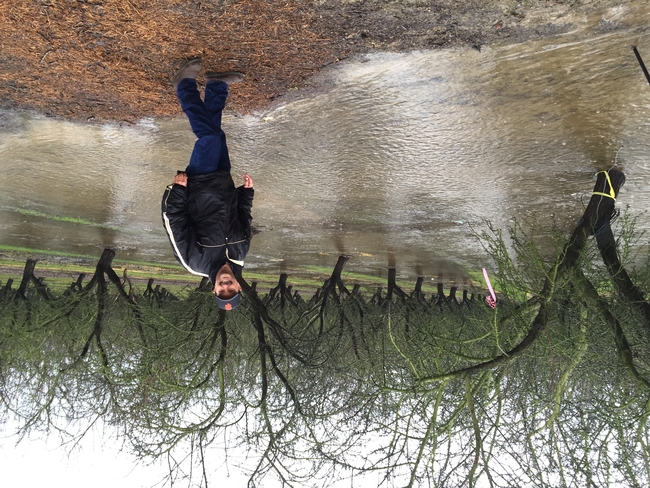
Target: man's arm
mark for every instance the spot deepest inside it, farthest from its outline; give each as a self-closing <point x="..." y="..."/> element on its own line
<point x="175" y="218"/>
<point x="173" y="202"/>
<point x="245" y="195"/>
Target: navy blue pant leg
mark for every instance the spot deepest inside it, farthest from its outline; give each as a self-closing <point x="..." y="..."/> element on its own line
<point x="216" y="93"/>
<point x="210" y="151"/>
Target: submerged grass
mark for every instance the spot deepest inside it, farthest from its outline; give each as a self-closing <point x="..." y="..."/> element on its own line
<point x="27" y="250"/>
<point x="60" y="269"/>
<point x="64" y="218"/>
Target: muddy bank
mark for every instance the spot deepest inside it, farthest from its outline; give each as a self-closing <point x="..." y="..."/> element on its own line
<point x="112" y="60"/>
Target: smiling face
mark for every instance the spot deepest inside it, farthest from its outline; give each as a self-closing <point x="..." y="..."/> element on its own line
<point x="225" y="284"/>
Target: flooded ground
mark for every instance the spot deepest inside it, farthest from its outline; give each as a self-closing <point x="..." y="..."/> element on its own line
<point x="397" y="162"/>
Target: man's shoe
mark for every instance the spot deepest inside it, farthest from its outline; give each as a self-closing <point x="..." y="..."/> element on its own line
<point x="227" y="77"/>
<point x="189" y="69"/>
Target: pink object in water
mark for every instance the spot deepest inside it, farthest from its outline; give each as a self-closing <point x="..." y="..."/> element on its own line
<point x="491" y="301"/>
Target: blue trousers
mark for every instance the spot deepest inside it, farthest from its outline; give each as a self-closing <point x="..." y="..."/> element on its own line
<point x="210" y="151"/>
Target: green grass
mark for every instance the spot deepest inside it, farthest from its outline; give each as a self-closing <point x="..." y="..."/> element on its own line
<point x="63" y="218"/>
<point x="306" y="279"/>
<point x="28" y="250"/>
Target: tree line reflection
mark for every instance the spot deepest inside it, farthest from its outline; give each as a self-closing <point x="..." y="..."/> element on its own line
<point x="551" y="388"/>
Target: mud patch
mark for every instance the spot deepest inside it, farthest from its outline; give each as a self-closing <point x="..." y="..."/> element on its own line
<point x="113" y="59"/>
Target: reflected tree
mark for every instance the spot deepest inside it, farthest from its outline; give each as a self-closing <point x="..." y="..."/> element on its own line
<point x="378" y="386"/>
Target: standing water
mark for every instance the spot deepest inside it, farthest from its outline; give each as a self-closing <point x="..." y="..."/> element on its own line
<point x="398" y="161"/>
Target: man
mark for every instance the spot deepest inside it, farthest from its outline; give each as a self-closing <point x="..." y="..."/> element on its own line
<point x="207" y="219"/>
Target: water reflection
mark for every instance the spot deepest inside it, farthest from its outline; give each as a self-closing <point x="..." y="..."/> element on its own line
<point x="401" y="154"/>
<point x="348" y="386"/>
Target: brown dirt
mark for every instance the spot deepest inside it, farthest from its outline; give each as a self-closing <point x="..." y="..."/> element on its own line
<point x="113" y="59"/>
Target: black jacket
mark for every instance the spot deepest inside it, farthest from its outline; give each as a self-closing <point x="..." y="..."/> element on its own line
<point x="208" y="223"/>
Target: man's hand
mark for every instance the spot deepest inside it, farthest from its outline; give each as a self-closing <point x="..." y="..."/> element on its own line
<point x="248" y="181"/>
<point x="180" y="179"/>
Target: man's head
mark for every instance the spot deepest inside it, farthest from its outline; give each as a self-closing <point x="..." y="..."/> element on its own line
<point x="226" y="288"/>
